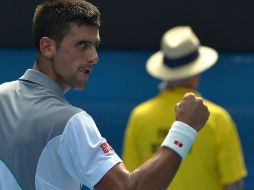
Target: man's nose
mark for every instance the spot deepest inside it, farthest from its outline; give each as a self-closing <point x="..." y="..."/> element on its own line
<point x="93" y="56"/>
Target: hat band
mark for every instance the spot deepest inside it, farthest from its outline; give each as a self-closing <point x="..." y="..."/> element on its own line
<point x="180" y="61"/>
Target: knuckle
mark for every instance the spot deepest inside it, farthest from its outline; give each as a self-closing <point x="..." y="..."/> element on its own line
<point x="189" y="95"/>
<point x="200" y="100"/>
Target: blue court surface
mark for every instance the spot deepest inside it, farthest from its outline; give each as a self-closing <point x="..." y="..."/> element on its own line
<point x="119" y="82"/>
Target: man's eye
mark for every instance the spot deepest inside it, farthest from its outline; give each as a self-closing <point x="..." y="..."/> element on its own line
<point x="83" y="44"/>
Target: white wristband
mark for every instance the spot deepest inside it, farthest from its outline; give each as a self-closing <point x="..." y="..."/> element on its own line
<point x="180" y="138"/>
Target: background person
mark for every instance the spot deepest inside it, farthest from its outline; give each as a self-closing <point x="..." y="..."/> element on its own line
<point x="215" y="161"/>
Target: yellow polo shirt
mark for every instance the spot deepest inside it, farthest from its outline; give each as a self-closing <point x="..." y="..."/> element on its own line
<point x="216" y="157"/>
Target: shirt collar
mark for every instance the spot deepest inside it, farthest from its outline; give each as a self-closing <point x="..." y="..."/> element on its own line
<point x="42" y="79"/>
<point x="180" y="90"/>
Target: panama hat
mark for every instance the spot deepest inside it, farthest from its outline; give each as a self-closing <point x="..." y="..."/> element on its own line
<point x="181" y="56"/>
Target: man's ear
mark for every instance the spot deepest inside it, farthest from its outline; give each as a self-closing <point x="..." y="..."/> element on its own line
<point x="47" y="47"/>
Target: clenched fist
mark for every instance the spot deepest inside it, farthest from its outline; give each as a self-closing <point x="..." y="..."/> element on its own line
<point x="192" y="111"/>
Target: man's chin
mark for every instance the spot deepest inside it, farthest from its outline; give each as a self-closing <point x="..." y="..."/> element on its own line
<point x="80" y="87"/>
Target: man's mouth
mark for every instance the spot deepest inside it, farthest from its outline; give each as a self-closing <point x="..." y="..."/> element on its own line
<point x="84" y="70"/>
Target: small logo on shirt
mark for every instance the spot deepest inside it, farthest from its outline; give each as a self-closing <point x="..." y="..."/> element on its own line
<point x="179" y="144"/>
<point x="106" y="147"/>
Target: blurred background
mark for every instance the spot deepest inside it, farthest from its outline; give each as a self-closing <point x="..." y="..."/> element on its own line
<point x="130" y="33"/>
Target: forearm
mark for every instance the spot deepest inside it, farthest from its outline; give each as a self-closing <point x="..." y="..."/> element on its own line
<point x="155" y="174"/>
<point x="158" y="172"/>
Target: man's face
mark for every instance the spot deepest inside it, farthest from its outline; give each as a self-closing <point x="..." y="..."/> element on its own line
<point x="75" y="56"/>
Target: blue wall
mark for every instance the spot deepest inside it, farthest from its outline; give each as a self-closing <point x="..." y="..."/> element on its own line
<point x="119" y="82"/>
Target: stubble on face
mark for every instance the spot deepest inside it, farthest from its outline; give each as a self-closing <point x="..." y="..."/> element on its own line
<point x="74" y="59"/>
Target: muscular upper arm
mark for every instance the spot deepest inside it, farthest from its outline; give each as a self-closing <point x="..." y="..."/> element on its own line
<point x="117" y="178"/>
<point x="155" y="173"/>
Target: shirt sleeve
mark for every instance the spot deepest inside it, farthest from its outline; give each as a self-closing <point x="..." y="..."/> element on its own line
<point x="230" y="156"/>
<point x="85" y="154"/>
<point x="7" y="180"/>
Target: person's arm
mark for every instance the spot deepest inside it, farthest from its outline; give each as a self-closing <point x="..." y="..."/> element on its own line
<point x="235" y="186"/>
<point x="232" y="171"/>
<point x="157" y="172"/>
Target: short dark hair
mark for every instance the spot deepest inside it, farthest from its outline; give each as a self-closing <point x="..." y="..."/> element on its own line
<point x="54" y="17"/>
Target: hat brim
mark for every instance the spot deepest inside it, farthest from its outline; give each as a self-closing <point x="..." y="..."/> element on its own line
<point x="155" y="66"/>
